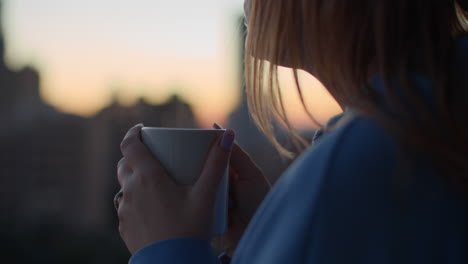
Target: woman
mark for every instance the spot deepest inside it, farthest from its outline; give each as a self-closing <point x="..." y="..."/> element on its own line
<point x="385" y="182"/>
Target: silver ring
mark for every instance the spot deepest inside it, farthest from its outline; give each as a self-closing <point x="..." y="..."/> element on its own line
<point x="117" y="199"/>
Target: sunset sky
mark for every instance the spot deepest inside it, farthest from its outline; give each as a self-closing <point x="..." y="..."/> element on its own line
<point x="90" y="50"/>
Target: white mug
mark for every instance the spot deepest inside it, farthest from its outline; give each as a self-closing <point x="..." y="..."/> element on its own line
<point x="182" y="153"/>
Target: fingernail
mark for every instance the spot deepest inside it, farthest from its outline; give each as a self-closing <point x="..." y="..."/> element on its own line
<point x="140" y="125"/>
<point x="217" y="126"/>
<point x="227" y="140"/>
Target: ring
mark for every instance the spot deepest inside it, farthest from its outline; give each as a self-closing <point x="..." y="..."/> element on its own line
<point x="117" y="199"/>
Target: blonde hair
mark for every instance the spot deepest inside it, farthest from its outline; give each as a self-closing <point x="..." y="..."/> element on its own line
<point x="344" y="44"/>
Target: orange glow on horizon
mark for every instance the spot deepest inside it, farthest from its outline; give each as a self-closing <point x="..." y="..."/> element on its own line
<point x="209" y="98"/>
<point x="87" y="56"/>
<point x="83" y="85"/>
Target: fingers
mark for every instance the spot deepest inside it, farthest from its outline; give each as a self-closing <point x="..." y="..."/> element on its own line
<point x="140" y="160"/>
<point x="123" y="171"/>
<point x="241" y="163"/>
<point x="133" y="149"/>
<point x="136" y="153"/>
<point x="215" y="166"/>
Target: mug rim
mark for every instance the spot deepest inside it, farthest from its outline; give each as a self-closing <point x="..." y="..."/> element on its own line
<point x="181" y="129"/>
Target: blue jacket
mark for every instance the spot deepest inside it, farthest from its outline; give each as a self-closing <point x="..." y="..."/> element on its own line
<point x="345" y="201"/>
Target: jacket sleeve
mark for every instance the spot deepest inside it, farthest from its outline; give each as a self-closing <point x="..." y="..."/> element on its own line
<point x="176" y="251"/>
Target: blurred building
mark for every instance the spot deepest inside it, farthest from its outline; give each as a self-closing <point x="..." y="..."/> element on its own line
<point x="58" y="171"/>
<point x="41" y="164"/>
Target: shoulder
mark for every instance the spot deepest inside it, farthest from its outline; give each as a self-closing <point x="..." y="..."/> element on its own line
<point x="369" y="205"/>
<point x="355" y="150"/>
<point x="355" y="160"/>
<point x="352" y="208"/>
<point x="312" y="199"/>
<point x="344" y="200"/>
<point x="354" y="168"/>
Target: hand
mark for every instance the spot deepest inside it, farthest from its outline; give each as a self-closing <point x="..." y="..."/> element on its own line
<point x="153" y="207"/>
<point x="248" y="188"/>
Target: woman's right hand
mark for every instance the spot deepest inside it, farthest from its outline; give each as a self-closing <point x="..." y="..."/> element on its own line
<point x="248" y="187"/>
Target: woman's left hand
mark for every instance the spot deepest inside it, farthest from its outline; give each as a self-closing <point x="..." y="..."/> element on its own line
<point x="153" y="207"/>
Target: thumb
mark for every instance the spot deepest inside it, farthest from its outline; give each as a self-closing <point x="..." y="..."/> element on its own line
<point x="216" y="163"/>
